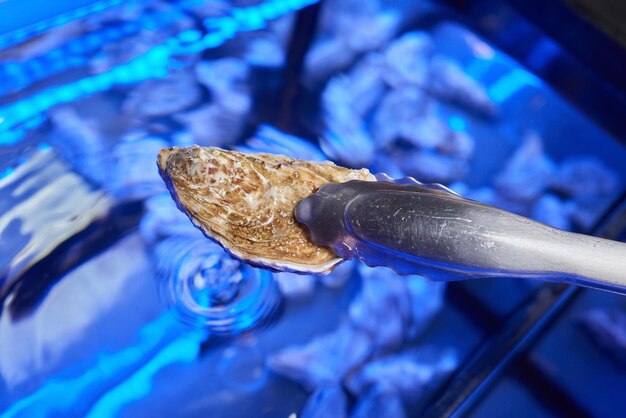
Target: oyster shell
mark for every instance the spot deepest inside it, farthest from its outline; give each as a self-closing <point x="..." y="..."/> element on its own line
<point x="246" y="203"/>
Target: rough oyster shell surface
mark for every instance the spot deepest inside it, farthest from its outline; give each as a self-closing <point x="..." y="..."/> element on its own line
<point x="246" y="202"/>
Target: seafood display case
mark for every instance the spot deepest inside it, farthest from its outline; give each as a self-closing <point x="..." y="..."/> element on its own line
<point x="114" y="304"/>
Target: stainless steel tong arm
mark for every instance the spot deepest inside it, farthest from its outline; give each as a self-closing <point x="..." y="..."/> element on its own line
<point x="427" y="229"/>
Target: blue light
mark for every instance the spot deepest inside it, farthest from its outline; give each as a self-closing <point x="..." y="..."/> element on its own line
<point x="19" y="111"/>
<point x="152" y="64"/>
<point x="212" y="40"/>
<point x="39" y="27"/>
<point x="68" y="94"/>
<point x="6" y="172"/>
<point x="67" y="390"/>
<point x="98" y="7"/>
<point x="11" y="137"/>
<point x="189" y="36"/>
<point x="138" y="385"/>
<point x="510" y="84"/>
<point x="280" y="7"/>
<point x="457" y="123"/>
<point x="34" y="122"/>
<point x="479" y="67"/>
<point x="268" y="11"/>
<point x="60" y="20"/>
<point x="253" y="21"/>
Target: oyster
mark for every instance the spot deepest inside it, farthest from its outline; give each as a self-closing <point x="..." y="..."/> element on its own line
<point x="246" y="203"/>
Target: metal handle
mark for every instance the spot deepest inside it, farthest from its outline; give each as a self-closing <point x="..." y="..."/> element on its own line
<point x="417" y="229"/>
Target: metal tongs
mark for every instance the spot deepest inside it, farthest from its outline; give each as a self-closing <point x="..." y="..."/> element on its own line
<point x="427" y="229"/>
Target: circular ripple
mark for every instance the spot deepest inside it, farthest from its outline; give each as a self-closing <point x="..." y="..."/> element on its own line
<point x="206" y="288"/>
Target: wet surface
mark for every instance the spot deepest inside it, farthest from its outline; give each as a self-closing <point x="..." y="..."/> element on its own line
<point x="113" y="304"/>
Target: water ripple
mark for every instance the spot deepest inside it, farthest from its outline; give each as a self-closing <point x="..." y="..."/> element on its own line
<point x="208" y="289"/>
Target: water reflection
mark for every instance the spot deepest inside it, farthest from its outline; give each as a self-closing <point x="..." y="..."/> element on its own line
<point x="412" y="107"/>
